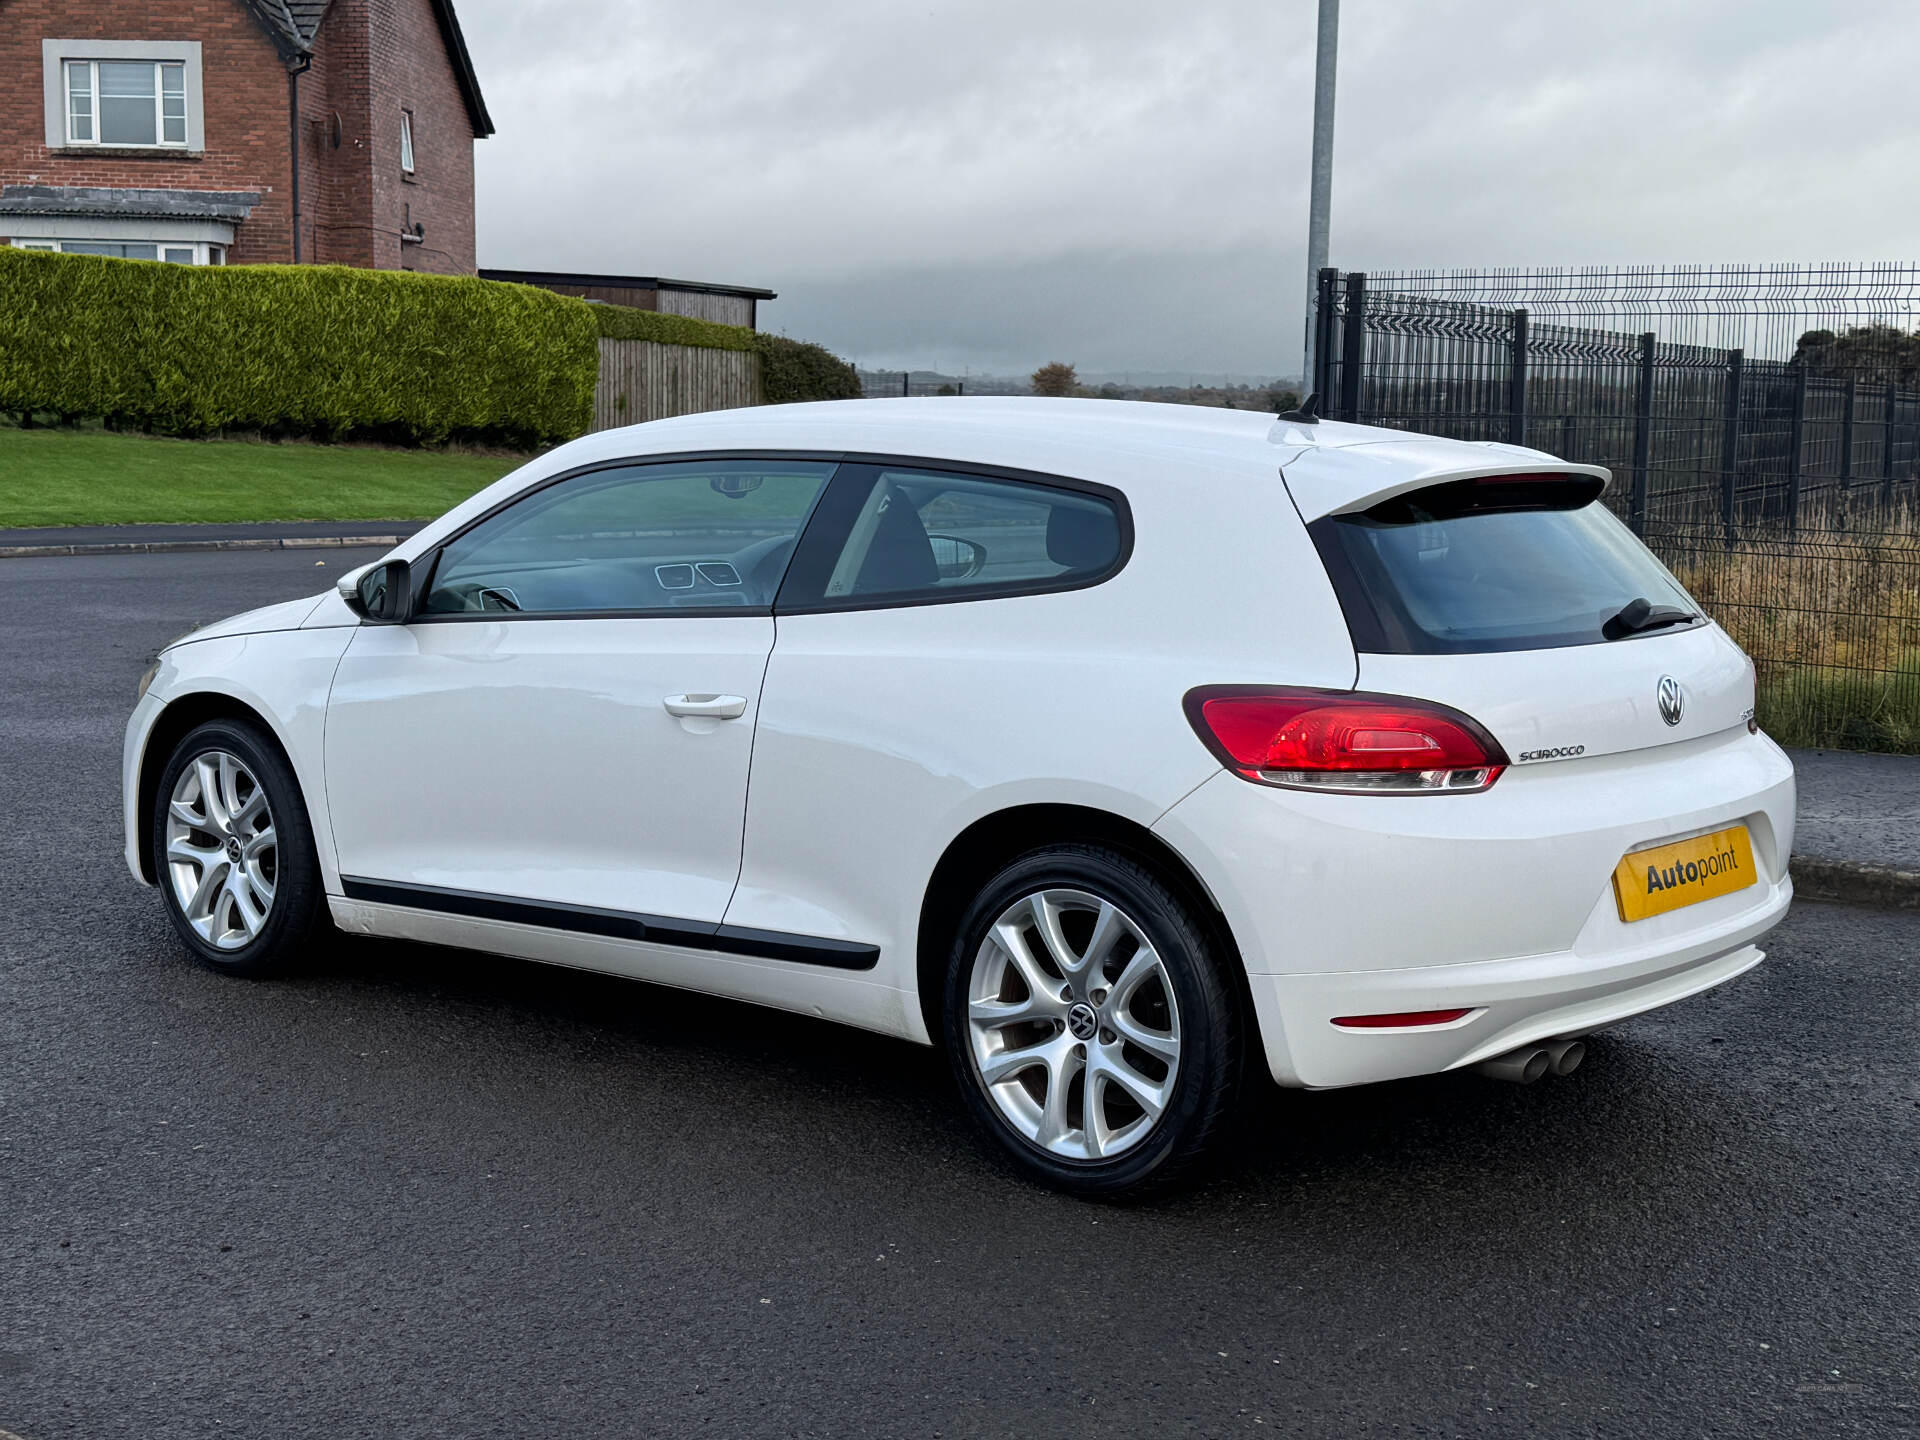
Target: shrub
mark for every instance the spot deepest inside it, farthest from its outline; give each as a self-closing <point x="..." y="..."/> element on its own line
<point x="792" y="370"/>
<point x="325" y="351"/>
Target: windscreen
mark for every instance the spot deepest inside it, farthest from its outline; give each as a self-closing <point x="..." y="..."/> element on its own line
<point x="1518" y="563"/>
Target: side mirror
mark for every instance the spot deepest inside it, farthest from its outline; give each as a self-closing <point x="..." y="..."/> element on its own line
<point x="957" y="559"/>
<point x="381" y="593"/>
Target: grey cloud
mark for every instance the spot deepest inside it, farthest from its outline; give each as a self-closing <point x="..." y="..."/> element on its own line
<point x="996" y="183"/>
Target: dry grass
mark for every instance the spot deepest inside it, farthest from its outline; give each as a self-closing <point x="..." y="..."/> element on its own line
<point x="1830" y="614"/>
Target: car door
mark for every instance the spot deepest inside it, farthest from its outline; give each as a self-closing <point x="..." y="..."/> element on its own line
<point x="944" y="631"/>
<point x="568" y="718"/>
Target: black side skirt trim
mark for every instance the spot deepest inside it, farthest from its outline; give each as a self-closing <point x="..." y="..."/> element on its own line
<point x="617" y="924"/>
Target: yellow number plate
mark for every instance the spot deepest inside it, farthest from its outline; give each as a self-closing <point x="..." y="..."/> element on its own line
<point x="1652" y="882"/>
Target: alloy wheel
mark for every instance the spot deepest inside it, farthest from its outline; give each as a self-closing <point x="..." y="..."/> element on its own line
<point x="222" y="854"/>
<point x="1075" y="1033"/>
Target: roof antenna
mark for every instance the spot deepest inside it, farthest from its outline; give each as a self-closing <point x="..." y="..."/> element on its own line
<point x="1307" y="414"/>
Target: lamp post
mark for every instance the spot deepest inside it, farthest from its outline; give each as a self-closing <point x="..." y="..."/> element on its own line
<point x="1320" y="202"/>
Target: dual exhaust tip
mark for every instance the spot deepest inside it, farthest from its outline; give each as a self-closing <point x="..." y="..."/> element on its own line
<point x="1532" y="1062"/>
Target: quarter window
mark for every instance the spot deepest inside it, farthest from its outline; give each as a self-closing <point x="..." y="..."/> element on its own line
<point x="127" y="102"/>
<point x="934" y="535"/>
<point x="709" y="535"/>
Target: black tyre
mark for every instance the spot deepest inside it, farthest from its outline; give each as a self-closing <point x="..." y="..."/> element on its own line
<point x="233" y="851"/>
<point x="1092" y="1028"/>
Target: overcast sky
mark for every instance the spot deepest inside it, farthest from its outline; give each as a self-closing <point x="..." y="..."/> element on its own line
<point x="1122" y="185"/>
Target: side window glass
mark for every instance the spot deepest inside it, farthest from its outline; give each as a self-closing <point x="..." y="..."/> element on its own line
<point x="697" y="535"/>
<point x="925" y="532"/>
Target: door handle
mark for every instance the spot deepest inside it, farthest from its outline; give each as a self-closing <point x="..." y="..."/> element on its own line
<point x="712" y="707"/>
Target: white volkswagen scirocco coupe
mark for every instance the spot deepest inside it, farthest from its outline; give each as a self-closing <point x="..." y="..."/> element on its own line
<point x="1108" y="746"/>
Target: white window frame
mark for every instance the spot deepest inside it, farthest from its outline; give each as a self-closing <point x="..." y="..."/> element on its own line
<point x="83" y="78"/>
<point x="406" y="141"/>
<point x="204" y="252"/>
<point x="57" y="54"/>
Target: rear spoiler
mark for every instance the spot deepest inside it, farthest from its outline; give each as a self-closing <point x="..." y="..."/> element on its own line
<point x="1338" y="480"/>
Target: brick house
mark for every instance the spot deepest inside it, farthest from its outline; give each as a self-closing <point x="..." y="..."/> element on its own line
<point x="240" y="131"/>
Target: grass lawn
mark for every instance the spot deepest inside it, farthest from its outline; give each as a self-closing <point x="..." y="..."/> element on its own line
<point x="97" y="477"/>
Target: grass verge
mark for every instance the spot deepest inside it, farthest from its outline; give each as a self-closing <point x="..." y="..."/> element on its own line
<point x="1822" y="708"/>
<point x="99" y="477"/>
<point x="1831" y="616"/>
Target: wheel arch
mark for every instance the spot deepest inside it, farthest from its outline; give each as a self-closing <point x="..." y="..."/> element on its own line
<point x="986" y="846"/>
<point x="180" y="716"/>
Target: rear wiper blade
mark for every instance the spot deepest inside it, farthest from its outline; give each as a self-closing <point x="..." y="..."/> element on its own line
<point x="1640" y="614"/>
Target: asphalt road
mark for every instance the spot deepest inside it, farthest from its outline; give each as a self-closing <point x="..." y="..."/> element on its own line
<point x="421" y="1193"/>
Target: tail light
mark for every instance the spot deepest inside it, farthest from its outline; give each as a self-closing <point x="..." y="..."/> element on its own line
<point x="1345" y="741"/>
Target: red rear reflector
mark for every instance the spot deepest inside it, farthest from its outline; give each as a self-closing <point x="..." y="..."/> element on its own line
<point x="1344" y="740"/>
<point x="1403" y="1019"/>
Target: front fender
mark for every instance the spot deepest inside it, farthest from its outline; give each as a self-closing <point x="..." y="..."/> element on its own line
<point x="281" y="678"/>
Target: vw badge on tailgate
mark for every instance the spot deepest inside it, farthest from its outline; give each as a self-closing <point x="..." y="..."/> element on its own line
<point x="1672" y="702"/>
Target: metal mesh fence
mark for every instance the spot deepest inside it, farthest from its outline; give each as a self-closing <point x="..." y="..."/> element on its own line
<point x="1830" y="616"/>
<point x="894" y="384"/>
<point x="1762" y="424"/>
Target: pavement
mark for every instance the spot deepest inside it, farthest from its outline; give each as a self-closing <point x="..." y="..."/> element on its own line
<point x="417" y="1192"/>
<point x="161" y="539"/>
<point x="1861" y="808"/>
<point x="1858" y="837"/>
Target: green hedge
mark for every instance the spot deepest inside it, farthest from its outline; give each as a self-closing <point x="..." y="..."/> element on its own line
<point x="334" y="353"/>
<point x="325" y="351"/>
<point x="623" y="322"/>
<point x="790" y="370"/>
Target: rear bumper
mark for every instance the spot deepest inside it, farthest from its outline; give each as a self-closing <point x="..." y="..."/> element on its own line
<point x="1512" y="1003"/>
<point x="1500" y="903"/>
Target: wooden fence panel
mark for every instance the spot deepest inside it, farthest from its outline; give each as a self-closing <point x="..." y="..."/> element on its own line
<point x="642" y="380"/>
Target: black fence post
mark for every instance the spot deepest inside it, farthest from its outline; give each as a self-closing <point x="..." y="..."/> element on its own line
<point x="1517" y="388"/>
<point x="1846" y="452"/>
<point x="1730" y="441"/>
<point x="1642" y="439"/>
<point x="1796" y="441"/>
<point x="906" y="382"/>
<point x="1321" y="381"/>
<point x="1886" y="446"/>
<point x="1353" y="349"/>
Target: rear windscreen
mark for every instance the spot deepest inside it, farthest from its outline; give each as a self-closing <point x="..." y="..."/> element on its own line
<point x="1472" y="566"/>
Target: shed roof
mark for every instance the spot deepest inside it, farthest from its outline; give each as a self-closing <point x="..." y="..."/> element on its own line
<point x="623" y="282"/>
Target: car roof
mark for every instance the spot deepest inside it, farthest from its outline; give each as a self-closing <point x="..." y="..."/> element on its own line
<point x="1328" y="465"/>
<point x="884" y="426"/>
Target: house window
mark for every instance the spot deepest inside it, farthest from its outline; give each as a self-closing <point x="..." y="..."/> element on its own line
<point x="406" y="142"/>
<point x="123" y="94"/>
<point x="175" y="252"/>
<point x="127" y="102"/>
